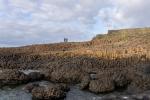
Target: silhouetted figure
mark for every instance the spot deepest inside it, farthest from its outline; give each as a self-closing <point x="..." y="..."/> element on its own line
<point x="65" y="39"/>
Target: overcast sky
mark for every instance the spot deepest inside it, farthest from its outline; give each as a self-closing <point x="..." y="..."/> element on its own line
<point x="25" y="22"/>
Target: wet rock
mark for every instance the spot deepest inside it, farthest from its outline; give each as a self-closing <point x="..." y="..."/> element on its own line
<point x="47" y="91"/>
<point x="137" y="97"/>
<point x="146" y="97"/>
<point x="27" y="72"/>
<point x="101" y="86"/>
<point x="109" y="97"/>
<point x="141" y="96"/>
<point x="29" y="87"/>
<point x="146" y="69"/>
<point x="117" y="97"/>
<point x="125" y="98"/>
<point x="85" y="82"/>
<point x="93" y="75"/>
<point x="1" y="85"/>
<point x="13" y="77"/>
<point x="120" y="80"/>
<point x="36" y="76"/>
<point x="139" y="84"/>
<point x="51" y="92"/>
<point x="63" y="87"/>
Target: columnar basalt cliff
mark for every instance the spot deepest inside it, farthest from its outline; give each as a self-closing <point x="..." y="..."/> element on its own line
<point x="117" y="60"/>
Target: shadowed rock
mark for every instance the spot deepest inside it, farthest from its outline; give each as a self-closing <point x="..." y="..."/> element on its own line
<point x="85" y="82"/>
<point x="29" y="87"/>
<point x="36" y="76"/>
<point x="47" y="92"/>
<point x="66" y="74"/>
<point x="120" y="80"/>
<point x="139" y="84"/>
<point x="101" y="86"/>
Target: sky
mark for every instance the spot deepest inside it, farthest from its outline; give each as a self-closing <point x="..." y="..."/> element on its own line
<point x="26" y="22"/>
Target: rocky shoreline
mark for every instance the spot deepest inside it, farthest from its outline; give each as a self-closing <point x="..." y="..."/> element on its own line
<point x="74" y="93"/>
<point x="59" y="85"/>
<point x="104" y="65"/>
<point x="96" y="75"/>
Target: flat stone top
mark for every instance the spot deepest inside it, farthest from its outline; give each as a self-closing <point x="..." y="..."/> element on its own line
<point x="29" y="71"/>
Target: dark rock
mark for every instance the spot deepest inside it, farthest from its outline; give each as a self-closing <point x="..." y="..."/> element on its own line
<point x="139" y="84"/>
<point x="146" y="97"/>
<point x="85" y="82"/>
<point x="1" y="85"/>
<point x="47" y="73"/>
<point x="35" y="76"/>
<point x="29" y="87"/>
<point x="146" y="69"/>
<point x="47" y="91"/>
<point x="51" y="92"/>
<point x="120" y="80"/>
<point x="63" y="87"/>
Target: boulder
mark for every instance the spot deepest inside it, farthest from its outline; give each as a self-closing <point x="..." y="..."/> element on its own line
<point x="29" y="87"/>
<point x="101" y="85"/>
<point x="48" y="93"/>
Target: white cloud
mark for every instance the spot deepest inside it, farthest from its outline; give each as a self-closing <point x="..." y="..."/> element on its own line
<point x="127" y="13"/>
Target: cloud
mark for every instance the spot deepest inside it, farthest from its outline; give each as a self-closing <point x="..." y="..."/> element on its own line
<point x="43" y="21"/>
<point x="127" y="13"/>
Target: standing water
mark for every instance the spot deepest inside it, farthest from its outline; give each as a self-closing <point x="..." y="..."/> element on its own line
<point x="18" y="93"/>
<point x="75" y="93"/>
